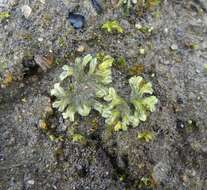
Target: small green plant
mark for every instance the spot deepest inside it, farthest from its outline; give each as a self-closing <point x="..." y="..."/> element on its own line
<point x="147" y="182"/>
<point x="121" y="61"/>
<point x="121" y="64"/>
<point x="116" y="111"/>
<point x="145" y="29"/>
<point x="4" y="15"/>
<point x="111" y="26"/>
<point x="61" y="42"/>
<point x="146" y="136"/>
<point x="87" y="85"/>
<point x="120" y="113"/>
<point x="78" y="137"/>
<point x="89" y="80"/>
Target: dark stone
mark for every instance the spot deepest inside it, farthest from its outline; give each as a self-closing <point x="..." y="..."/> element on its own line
<point x="1" y="157"/>
<point x="180" y="100"/>
<point x="30" y="67"/>
<point x="81" y="170"/>
<point x="180" y="124"/>
<point x="76" y="20"/>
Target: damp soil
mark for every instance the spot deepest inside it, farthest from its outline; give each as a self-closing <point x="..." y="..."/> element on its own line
<point x="33" y="158"/>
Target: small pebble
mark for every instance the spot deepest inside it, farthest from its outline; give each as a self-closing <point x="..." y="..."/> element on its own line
<point x="166" y="30"/>
<point x="26" y="10"/>
<point x="142" y="51"/>
<point x="42" y="1"/>
<point x="180" y="124"/>
<point x="138" y="26"/>
<point x="29" y="66"/>
<point x="134" y="1"/>
<point x="179" y="100"/>
<point x="42" y="124"/>
<point x="150" y="29"/>
<point x="12" y="141"/>
<point x="179" y="32"/>
<point x="40" y="39"/>
<point x="54" y="187"/>
<point x="197" y="71"/>
<point x="1" y="157"/>
<point x="44" y="61"/>
<point x="81" y="170"/>
<point x="173" y="47"/>
<point x="76" y="20"/>
<point x="31" y="182"/>
<point x="80" y="48"/>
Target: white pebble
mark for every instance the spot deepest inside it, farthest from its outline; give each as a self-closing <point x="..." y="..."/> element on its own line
<point x="138" y="26"/>
<point x="166" y="30"/>
<point x="40" y="39"/>
<point x="26" y="10"/>
<point x="31" y="182"/>
<point x="42" y="1"/>
<point x="142" y="51"/>
<point x="174" y="47"/>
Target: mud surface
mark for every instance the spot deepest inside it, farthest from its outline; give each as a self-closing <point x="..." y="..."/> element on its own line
<point x="176" y="52"/>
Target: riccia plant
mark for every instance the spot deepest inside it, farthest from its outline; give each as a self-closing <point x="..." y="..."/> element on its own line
<point x="120" y="113"/>
<point x="87" y="85"/>
<point x="88" y="80"/>
<point x="112" y="25"/>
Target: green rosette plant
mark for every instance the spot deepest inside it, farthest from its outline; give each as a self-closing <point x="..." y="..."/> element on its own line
<point x="86" y="85"/>
<point x="88" y="80"/>
<point x="142" y="99"/>
<point x="120" y="113"/>
<point x="115" y="110"/>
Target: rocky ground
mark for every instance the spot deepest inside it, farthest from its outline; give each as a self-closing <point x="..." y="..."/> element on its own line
<point x="44" y="158"/>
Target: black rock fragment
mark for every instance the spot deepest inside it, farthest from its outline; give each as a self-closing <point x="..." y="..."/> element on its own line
<point x="76" y="20"/>
<point x="81" y="170"/>
<point x="29" y="66"/>
<point x="180" y="124"/>
<point x="1" y="157"/>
